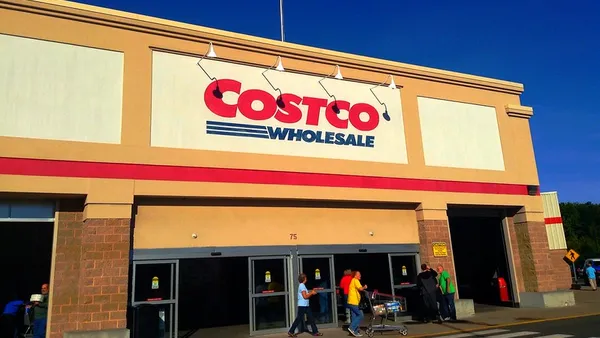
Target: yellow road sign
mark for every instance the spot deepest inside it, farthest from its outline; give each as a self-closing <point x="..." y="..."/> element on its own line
<point x="572" y="255"/>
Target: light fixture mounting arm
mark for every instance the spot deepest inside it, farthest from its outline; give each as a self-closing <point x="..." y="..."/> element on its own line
<point x="268" y="81"/>
<point x="212" y="78"/>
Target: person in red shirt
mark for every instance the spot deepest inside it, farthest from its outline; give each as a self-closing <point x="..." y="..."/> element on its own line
<point x="345" y="285"/>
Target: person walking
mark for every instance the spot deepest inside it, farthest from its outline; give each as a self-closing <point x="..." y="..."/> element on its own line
<point x="447" y="289"/>
<point x="345" y="286"/>
<point x="354" y="297"/>
<point x="304" y="308"/>
<point x="591" y="275"/>
<point x="428" y="286"/>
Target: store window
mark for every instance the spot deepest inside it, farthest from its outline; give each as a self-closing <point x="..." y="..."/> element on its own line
<point x="13" y="211"/>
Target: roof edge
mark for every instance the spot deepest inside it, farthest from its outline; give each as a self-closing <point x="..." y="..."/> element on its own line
<point x="474" y="80"/>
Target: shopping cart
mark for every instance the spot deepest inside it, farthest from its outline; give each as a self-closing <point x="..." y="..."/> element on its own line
<point x="382" y="306"/>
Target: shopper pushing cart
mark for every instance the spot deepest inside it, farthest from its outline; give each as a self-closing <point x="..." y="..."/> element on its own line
<point x="382" y="307"/>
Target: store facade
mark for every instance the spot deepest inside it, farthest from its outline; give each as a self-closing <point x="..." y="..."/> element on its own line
<point x="162" y="142"/>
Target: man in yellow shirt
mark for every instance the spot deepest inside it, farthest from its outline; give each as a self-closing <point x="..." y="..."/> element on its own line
<point x="353" y="302"/>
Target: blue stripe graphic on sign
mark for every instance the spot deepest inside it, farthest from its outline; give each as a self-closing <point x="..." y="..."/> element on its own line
<point x="236" y="129"/>
<point x="234" y="125"/>
<point x="228" y="133"/>
<point x="244" y="130"/>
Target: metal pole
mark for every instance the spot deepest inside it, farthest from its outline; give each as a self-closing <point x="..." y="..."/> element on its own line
<point x="574" y="272"/>
<point x="281" y="19"/>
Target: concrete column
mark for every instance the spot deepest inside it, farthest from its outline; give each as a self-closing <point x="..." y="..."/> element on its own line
<point x="89" y="284"/>
<point x="433" y="227"/>
<point x="539" y="278"/>
<point x="534" y="253"/>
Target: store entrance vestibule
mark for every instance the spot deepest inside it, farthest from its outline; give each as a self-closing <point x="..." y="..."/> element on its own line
<point x="271" y="282"/>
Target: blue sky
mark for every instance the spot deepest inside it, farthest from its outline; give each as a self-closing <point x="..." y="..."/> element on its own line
<point x="551" y="46"/>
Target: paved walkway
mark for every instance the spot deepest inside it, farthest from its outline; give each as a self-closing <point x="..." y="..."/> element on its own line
<point x="587" y="302"/>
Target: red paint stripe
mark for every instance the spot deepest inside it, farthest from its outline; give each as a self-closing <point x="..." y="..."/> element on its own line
<point x="553" y="220"/>
<point x="57" y="168"/>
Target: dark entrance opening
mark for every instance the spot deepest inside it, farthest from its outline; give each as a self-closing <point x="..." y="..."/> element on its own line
<point x="213" y="292"/>
<point x="375" y="270"/>
<point x="480" y="254"/>
<point x="26" y="259"/>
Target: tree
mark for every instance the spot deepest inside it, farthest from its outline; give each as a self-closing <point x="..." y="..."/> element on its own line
<point x="582" y="227"/>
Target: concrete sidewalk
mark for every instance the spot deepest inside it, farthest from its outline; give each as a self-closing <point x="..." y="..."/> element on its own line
<point x="587" y="303"/>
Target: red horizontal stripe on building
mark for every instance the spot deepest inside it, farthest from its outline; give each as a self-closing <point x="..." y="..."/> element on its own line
<point x="59" y="168"/>
<point x="553" y="220"/>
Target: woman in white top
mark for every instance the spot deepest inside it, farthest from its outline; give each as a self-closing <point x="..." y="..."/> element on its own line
<point x="304" y="308"/>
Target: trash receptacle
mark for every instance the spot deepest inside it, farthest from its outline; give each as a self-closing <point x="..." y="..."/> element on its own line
<point x="146" y="322"/>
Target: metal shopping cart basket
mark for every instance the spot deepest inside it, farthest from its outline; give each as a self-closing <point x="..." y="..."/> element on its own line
<point x="382" y="306"/>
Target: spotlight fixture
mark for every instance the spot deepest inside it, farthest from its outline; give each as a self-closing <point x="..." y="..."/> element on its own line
<point x="338" y="75"/>
<point x="279" y="67"/>
<point x="209" y="54"/>
<point x="392" y="85"/>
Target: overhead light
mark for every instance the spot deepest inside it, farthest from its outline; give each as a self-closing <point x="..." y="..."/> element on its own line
<point x="279" y="67"/>
<point x="209" y="54"/>
<point x="338" y="75"/>
<point x="211" y="51"/>
<point x="392" y="85"/>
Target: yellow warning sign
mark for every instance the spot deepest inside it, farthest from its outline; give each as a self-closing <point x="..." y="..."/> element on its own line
<point x="572" y="255"/>
<point x="440" y="249"/>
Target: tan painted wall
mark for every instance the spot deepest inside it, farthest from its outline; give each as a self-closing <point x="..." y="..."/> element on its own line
<point x="173" y="226"/>
<point x="136" y="35"/>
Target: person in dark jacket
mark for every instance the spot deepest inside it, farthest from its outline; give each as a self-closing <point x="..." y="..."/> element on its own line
<point x="428" y="286"/>
<point x="40" y="314"/>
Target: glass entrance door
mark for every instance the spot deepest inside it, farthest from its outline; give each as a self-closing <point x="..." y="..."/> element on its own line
<point x="155" y="282"/>
<point x="320" y="274"/>
<point x="404" y="269"/>
<point x="269" y="294"/>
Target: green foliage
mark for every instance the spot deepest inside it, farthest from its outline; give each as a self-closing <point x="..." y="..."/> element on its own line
<point x="582" y="228"/>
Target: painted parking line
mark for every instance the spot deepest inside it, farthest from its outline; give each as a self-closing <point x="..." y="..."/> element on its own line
<point x="515" y="334"/>
<point x="475" y="334"/>
<point x="439" y="334"/>
<point x="557" y="336"/>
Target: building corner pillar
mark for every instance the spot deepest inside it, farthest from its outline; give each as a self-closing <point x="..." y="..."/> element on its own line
<point x="538" y="287"/>
<point x="90" y="276"/>
<point x="434" y="229"/>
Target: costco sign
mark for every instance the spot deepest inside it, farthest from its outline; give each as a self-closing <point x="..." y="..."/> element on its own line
<point x="241" y="112"/>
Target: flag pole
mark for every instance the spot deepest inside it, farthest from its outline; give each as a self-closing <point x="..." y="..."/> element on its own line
<point x="281" y="19"/>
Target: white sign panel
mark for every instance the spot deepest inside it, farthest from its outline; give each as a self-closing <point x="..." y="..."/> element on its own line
<point x="241" y="112"/>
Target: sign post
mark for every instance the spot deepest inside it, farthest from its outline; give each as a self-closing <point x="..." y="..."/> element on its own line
<point x="572" y="256"/>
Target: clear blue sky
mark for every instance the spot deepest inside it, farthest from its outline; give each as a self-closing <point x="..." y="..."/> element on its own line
<point x="551" y="46"/>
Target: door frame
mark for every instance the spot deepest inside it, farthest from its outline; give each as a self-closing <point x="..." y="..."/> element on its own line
<point x="330" y="290"/>
<point x="173" y="302"/>
<point x="253" y="295"/>
<point x="417" y="267"/>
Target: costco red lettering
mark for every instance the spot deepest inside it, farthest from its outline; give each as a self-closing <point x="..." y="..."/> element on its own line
<point x="286" y="109"/>
<point x="289" y="112"/>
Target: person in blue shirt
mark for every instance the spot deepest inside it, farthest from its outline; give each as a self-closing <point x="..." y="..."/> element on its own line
<point x="8" y="321"/>
<point x="591" y="275"/>
<point x="304" y="308"/>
